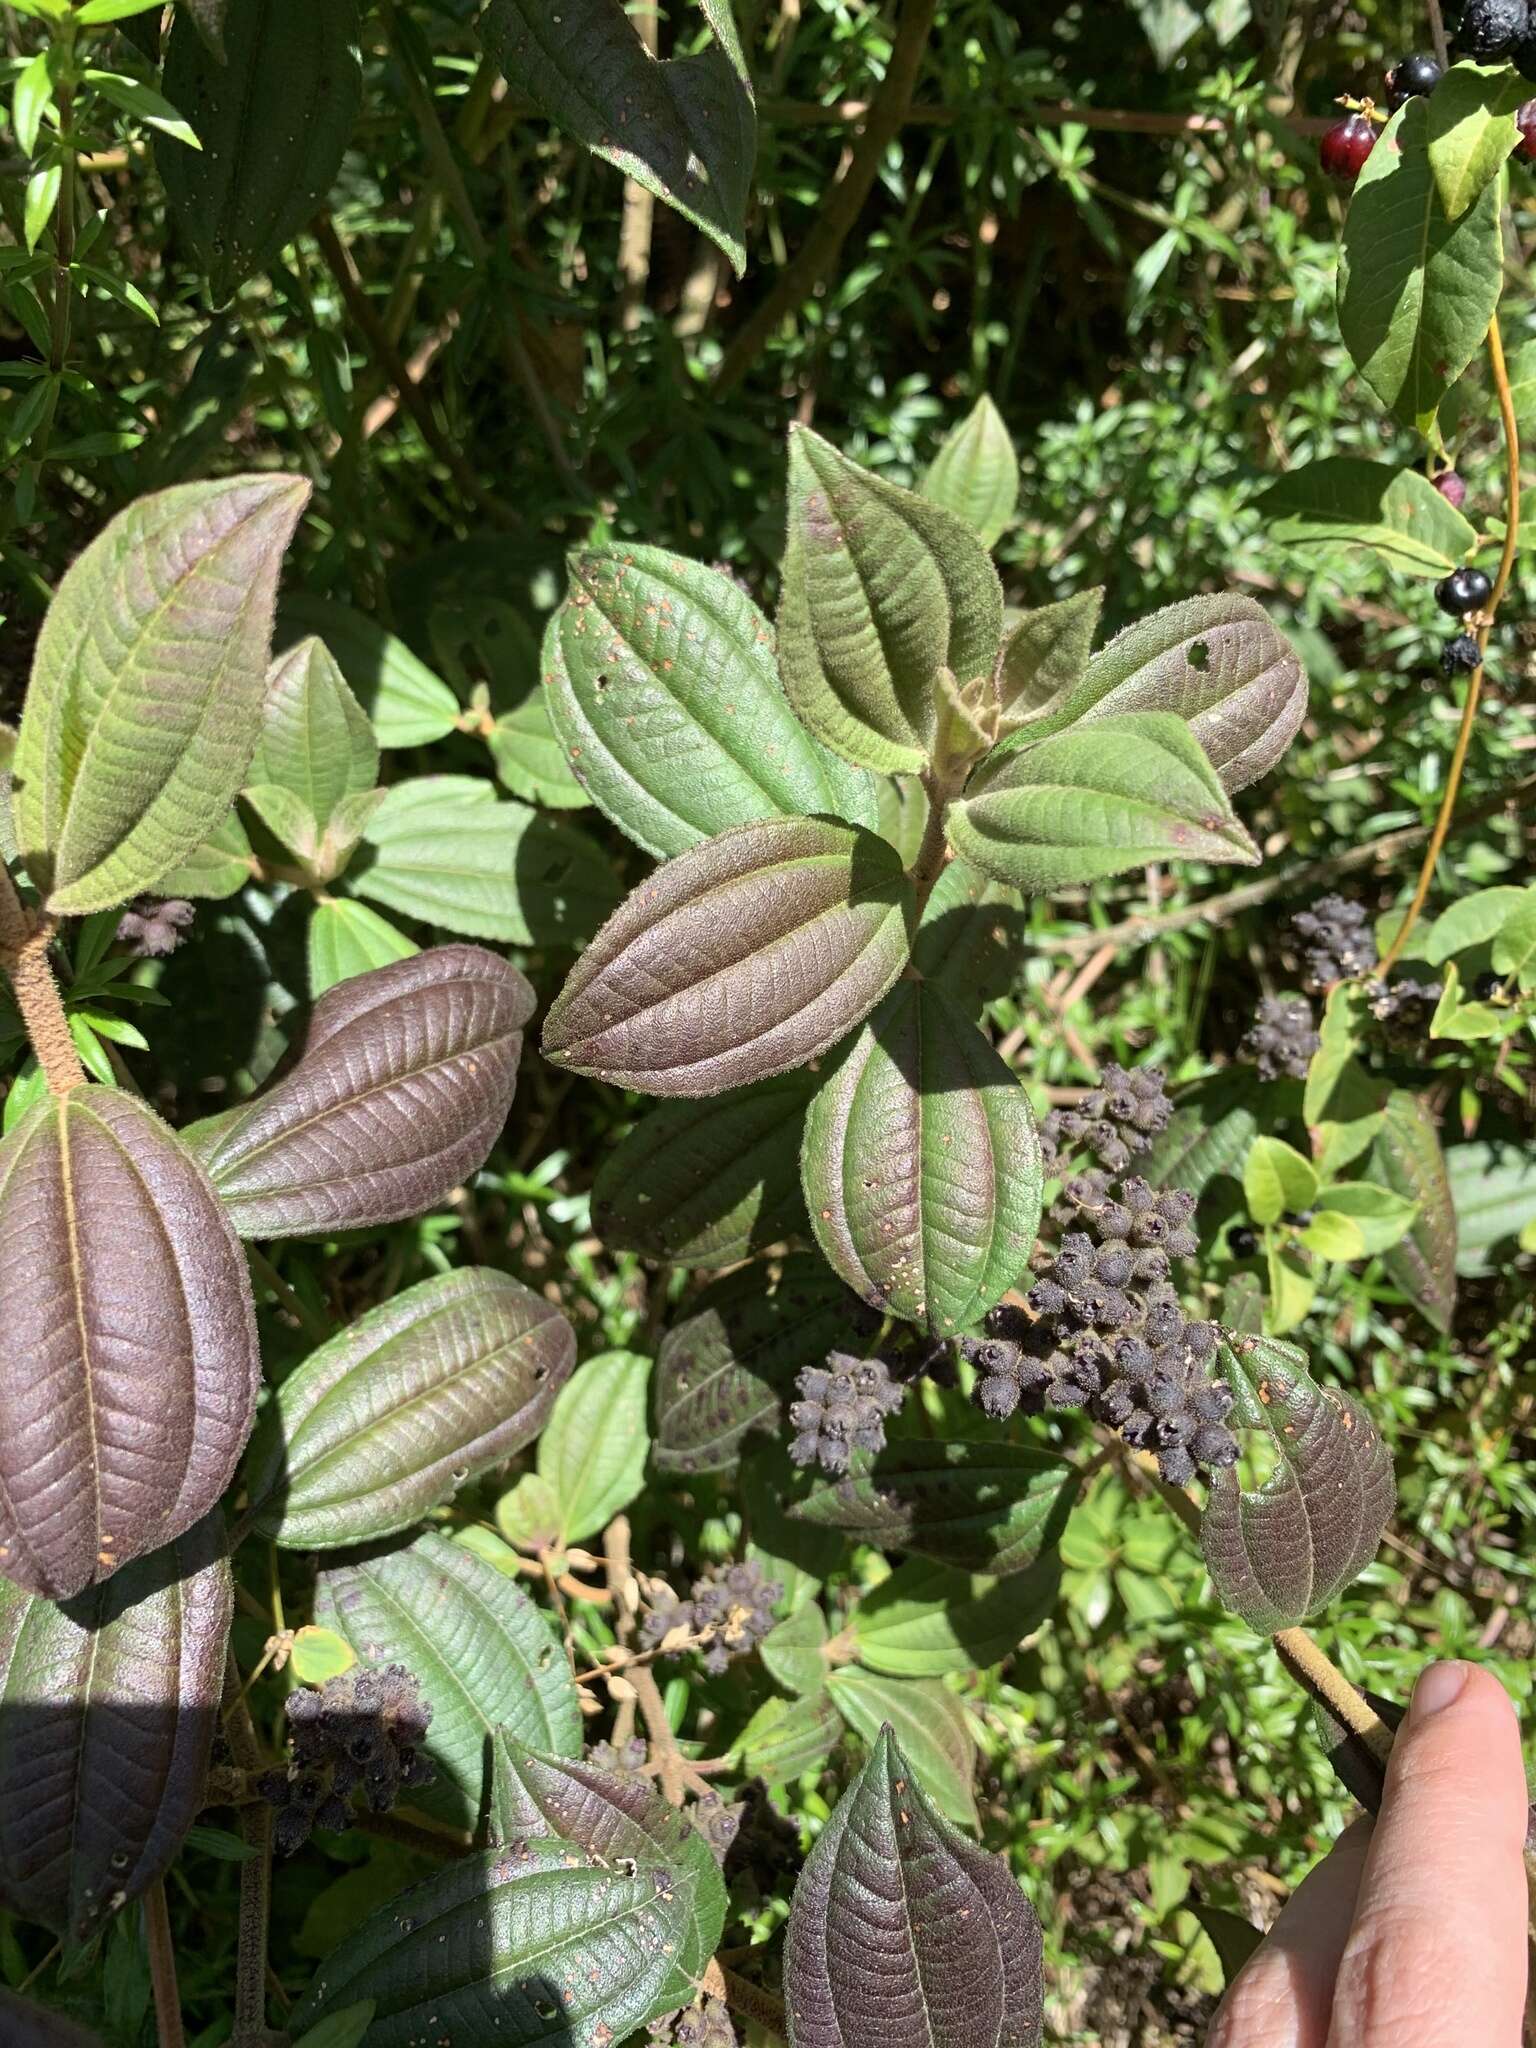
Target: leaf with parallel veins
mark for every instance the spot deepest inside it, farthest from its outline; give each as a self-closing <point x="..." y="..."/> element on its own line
<point x="975" y="474"/>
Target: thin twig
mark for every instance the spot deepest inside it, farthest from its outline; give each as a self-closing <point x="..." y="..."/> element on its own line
<point x="162" y="1968"/>
<point x="639" y="212"/>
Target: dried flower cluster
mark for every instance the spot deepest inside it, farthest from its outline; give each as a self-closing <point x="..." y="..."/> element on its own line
<point x="1113" y="1122"/>
<point x="842" y="1408"/>
<point x="729" y="1613"/>
<point x="1282" y="1038"/>
<point x="1337" y="942"/>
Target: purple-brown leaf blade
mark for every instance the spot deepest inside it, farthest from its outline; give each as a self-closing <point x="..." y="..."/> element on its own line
<point x="903" y="1931"/>
<point x="402" y="1088"/>
<point x="741" y="958"/>
<point x="1407" y="1158"/>
<point x="26" y="2025"/>
<point x="128" y="1338"/>
<point x="107" y="1714"/>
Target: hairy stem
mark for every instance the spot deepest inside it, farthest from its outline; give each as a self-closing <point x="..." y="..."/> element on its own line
<point x="255" y="1871"/>
<point x="162" y="1968"/>
<point x="750" y="2000"/>
<point x="24" y="943"/>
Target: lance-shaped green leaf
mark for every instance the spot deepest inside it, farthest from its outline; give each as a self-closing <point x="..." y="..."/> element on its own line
<point x="1406" y="1158"/>
<point x="975" y="474"/>
<point x="929" y="1722"/>
<point x="485" y="1655"/>
<point x="1045" y="654"/>
<point x="1282" y="1550"/>
<point x="742" y="958"/>
<point x="685" y="130"/>
<point x="385" y="1420"/>
<point x="881" y="590"/>
<point x="346" y="939"/>
<point x="1471" y="129"/>
<point x="1416" y="288"/>
<point x="316" y="741"/>
<point x="108" y="1707"/>
<point x="903" y="1930"/>
<point x="273" y="111"/>
<point x="130" y="1341"/>
<point x="921" y="1165"/>
<point x="145" y="700"/>
<point x="927" y="1619"/>
<point x="447" y="850"/>
<point x="984" y="1507"/>
<point x="1396" y="513"/>
<point x="402" y="1088"/>
<point x="1097" y="799"/>
<point x="707" y="1183"/>
<point x="409" y="704"/>
<point x="785" y="1739"/>
<point x="592" y="1453"/>
<point x="24" y="2024"/>
<point x="792" y="1650"/>
<point x="661" y="682"/>
<point x="725" y="1369"/>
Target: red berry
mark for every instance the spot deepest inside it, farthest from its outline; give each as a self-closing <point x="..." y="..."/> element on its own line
<point x="1452" y="488"/>
<point x="1346" y="146"/>
<point x="1525" y="121"/>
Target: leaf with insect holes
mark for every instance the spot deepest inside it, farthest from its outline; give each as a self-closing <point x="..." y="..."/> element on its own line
<point x="903" y="1930"/>
<point x="1280" y="1551"/>
<point x="707" y="1183"/>
<point x="881" y="589"/>
<point x="661" y="682"/>
<point x="386" y="1419"/>
<point x="593" y="1450"/>
<point x="1396" y="513"/>
<point x="26" y="2025"/>
<point x="685" y="129"/>
<point x="724" y="1370"/>
<point x="1045" y="653"/>
<point x="484" y="1654"/>
<point x="921" y="1165"/>
<point x="975" y="474"/>
<point x="273" y="109"/>
<point x="316" y="741"/>
<point x="109" y="1707"/>
<point x="409" y="705"/>
<point x="741" y="958"/>
<point x="131" y="1360"/>
<point x="145" y="701"/>
<point x="402" y="1088"/>
<point x="1095" y="800"/>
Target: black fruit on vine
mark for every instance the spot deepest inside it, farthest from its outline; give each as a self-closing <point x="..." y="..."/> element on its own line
<point x="1346" y="146"/>
<point x="1452" y="486"/>
<point x="1525" y="120"/>
<point x="1460" y="656"/>
<point x="1462" y="592"/>
<point x="1490" y="27"/>
<point x="1412" y="78"/>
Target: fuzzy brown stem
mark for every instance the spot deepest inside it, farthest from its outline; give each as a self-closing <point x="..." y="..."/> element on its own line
<point x="24" y="944"/>
<point x="255" y="1820"/>
<point x="162" y="1969"/>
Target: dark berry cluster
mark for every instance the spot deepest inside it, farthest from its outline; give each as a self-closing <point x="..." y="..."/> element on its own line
<point x="359" y="1733"/>
<point x="1499" y="28"/>
<point x="1282" y="1038"/>
<point x="1116" y="1120"/>
<point x="1403" y="1009"/>
<point x="730" y="1612"/>
<point x="1338" y="942"/>
<point x="151" y="930"/>
<point x="624" y="1760"/>
<point x="696" y="2026"/>
<point x="842" y="1408"/>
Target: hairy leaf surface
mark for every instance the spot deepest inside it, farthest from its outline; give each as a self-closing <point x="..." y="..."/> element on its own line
<point x="403" y="1086"/>
<point x="927" y="1619"/>
<point x="384" y="1421"/>
<point x="929" y="1722"/>
<point x="145" y="700"/>
<point x="1407" y="1159"/>
<point x="346" y="939"/>
<point x="903" y="1930"/>
<point x="745" y="956"/>
<point x="107" y="1713"/>
<point x="975" y="474"/>
<point x="316" y="740"/>
<point x="1396" y="513"/>
<point x="1045" y="654"/>
<point x="131" y="1365"/>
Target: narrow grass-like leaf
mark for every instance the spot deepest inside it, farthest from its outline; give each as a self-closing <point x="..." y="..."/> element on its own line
<point x="592" y="1453"/>
<point x="1396" y="513"/>
<point x="145" y="700"/>
<point x="903" y="1930"/>
<point x="975" y="474"/>
<point x="131" y="1359"/>
<point x="107" y="1711"/>
<point x="921" y="1165"/>
<point x="930" y="1723"/>
<point x="1282" y="1550"/>
<point x="385" y="1420"/>
<point x="316" y="740"/>
<point x="403" y="1086"/>
<point x="744" y="957"/>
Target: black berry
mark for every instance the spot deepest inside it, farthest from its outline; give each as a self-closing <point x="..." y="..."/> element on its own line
<point x="1490" y="27"/>
<point x="1462" y="592"/>
<point x="1242" y="1242"/>
<point x="1411" y="79"/>
<point x="1346" y="146"/>
<point x="1487" y="986"/>
<point x="1460" y="656"/>
<point x="1525" y="121"/>
<point x="1449" y="483"/>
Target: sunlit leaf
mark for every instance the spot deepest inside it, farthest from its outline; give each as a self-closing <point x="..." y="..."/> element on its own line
<point x="975" y="474"/>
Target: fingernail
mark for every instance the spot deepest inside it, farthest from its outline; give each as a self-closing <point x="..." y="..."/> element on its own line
<point x="1439" y="1686"/>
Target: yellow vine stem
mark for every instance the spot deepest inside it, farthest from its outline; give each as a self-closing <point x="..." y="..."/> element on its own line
<point x="1437" y="838"/>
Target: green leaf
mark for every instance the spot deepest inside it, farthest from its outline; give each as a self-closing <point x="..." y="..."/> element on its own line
<point x="707" y="1183"/>
<point x="346" y="939"/>
<point x="1045" y="654"/>
<point x="1470" y="921"/>
<point x="881" y="590"/>
<point x="931" y="1725"/>
<point x="1396" y="513"/>
<point x="485" y="1656"/>
<point x="319" y="1654"/>
<point x="787" y="1739"/>
<point x="42" y="196"/>
<point x="1292" y="1289"/>
<point x="1333" y="1235"/>
<point x="921" y="1166"/>
<point x="969" y="937"/>
<point x="218" y="866"/>
<point x="385" y="1420"/>
<point x="1471" y="130"/>
<point x="145" y="700"/>
<point x="1416" y="289"/>
<point x="1380" y="1216"/>
<point x="927" y="1619"/>
<point x="1514" y="950"/>
<point x="1095" y="800"/>
<point x="593" y="1450"/>
<point x="1276" y="1178"/>
<point x="975" y="474"/>
<point x="143" y="104"/>
<point x="409" y="705"/>
<point x="31" y="97"/>
<point x="1281" y="1551"/>
<point x="1233" y="1938"/>
<point x="685" y="129"/>
<point x="950" y="1955"/>
<point x="1334" y="1080"/>
<point x="316" y="741"/>
<point x="1192" y="1152"/>
<point x="983" y="1507"/>
<point x="273" y="112"/>
<point x="445" y="849"/>
<point x="791" y="1652"/>
<point x="344" y="2029"/>
<point x="529" y="1515"/>
<point x="661" y="683"/>
<point x="529" y="759"/>
<point x="741" y="958"/>
<point x="724" y="1370"/>
<point x="1493" y="1187"/>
